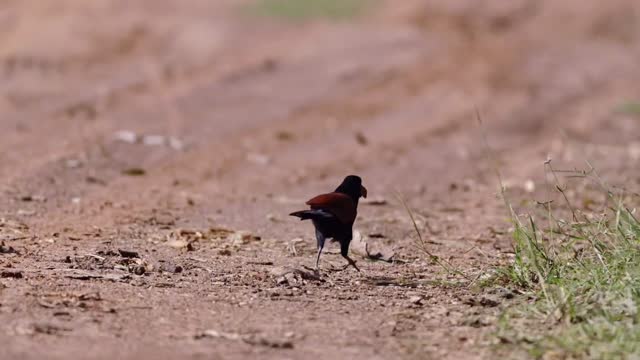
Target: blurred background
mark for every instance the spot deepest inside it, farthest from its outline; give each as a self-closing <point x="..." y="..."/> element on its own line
<point x="271" y="81"/>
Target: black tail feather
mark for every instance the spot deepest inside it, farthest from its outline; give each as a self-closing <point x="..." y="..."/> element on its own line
<point x="315" y="214"/>
<point x="301" y="214"/>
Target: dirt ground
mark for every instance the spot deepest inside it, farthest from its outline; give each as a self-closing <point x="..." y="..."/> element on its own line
<point x="151" y="150"/>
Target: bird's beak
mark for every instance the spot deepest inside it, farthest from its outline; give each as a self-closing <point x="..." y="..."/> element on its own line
<point x="363" y="191"/>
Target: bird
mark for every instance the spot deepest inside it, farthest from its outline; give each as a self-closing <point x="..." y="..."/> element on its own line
<point x="333" y="215"/>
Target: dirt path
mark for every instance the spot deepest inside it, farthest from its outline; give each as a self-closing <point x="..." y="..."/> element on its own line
<point x="264" y="114"/>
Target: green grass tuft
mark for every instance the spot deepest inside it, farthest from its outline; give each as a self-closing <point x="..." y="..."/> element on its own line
<point x="581" y="280"/>
<point x="309" y="9"/>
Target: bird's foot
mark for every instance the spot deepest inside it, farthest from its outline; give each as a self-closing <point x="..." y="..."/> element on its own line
<point x="315" y="270"/>
<point x="351" y="263"/>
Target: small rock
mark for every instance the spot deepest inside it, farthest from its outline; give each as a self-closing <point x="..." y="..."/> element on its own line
<point x="361" y="139"/>
<point x="134" y="171"/>
<point x="23" y="212"/>
<point x="489" y="302"/>
<point x="219" y="233"/>
<point x="73" y="163"/>
<point x="153" y="140"/>
<point x="505" y="293"/>
<point x="178" y="244"/>
<point x="634" y="151"/>
<point x="48" y="329"/>
<point x="139" y="270"/>
<point x="126" y="136"/>
<point x="416" y="300"/>
<point x="94" y="180"/>
<point x="176" y="144"/>
<point x="370" y="249"/>
<point x="375" y="201"/>
<point x="4" y="249"/>
<point x="284" y="135"/>
<point x="34" y="198"/>
<point x="477" y="321"/>
<point x="243" y="237"/>
<point x="259" y="159"/>
<point x="128" y="253"/>
<point x="13" y="274"/>
<point x="170" y="268"/>
<point x="484" y="301"/>
<point x="529" y="186"/>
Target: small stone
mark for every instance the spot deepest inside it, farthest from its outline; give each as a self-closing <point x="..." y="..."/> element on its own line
<point x="170" y="268"/>
<point x="416" y="300"/>
<point x="73" y="163"/>
<point x="4" y="249"/>
<point x="529" y="186"/>
<point x="242" y="237"/>
<point x="139" y="270"/>
<point x="505" y="293"/>
<point x="153" y="140"/>
<point x="259" y="159"/>
<point x="176" y="144"/>
<point x="178" y="244"/>
<point x="284" y="135"/>
<point x="126" y="136"/>
<point x="34" y="198"/>
<point x="489" y="302"/>
<point x="477" y="321"/>
<point x="128" y="253"/>
<point x="375" y="201"/>
<point x="13" y="274"/>
<point x="134" y="171"/>
<point x="361" y="139"/>
<point x="23" y="212"/>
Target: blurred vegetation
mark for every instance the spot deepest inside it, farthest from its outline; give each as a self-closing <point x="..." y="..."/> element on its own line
<point x="580" y="277"/>
<point x="630" y="108"/>
<point x="309" y="9"/>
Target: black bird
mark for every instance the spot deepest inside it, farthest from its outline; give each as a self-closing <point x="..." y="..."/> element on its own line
<point x="333" y="215"/>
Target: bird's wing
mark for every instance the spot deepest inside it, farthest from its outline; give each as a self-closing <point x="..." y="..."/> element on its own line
<point x="340" y="205"/>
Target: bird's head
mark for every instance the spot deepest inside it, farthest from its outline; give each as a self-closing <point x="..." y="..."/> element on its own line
<point x="352" y="186"/>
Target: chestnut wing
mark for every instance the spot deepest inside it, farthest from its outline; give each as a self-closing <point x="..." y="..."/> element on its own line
<point x="340" y="205"/>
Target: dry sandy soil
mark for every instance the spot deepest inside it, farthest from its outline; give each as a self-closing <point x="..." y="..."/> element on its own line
<point x="255" y="115"/>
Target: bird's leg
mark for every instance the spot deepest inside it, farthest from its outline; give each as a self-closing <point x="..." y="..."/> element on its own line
<point x="351" y="263"/>
<point x="318" y="259"/>
<point x="344" y="251"/>
<point x="320" y="238"/>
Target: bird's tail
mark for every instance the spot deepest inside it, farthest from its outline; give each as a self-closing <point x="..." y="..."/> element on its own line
<point x="315" y="214"/>
<point x="303" y="215"/>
